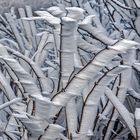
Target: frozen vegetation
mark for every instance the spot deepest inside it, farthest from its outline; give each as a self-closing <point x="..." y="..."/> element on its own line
<point x="70" y="70"/>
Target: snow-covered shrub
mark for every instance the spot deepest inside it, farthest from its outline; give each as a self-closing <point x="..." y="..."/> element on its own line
<point x="70" y="71"/>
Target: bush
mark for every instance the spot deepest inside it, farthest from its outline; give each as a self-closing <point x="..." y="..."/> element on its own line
<point x="69" y="70"/>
